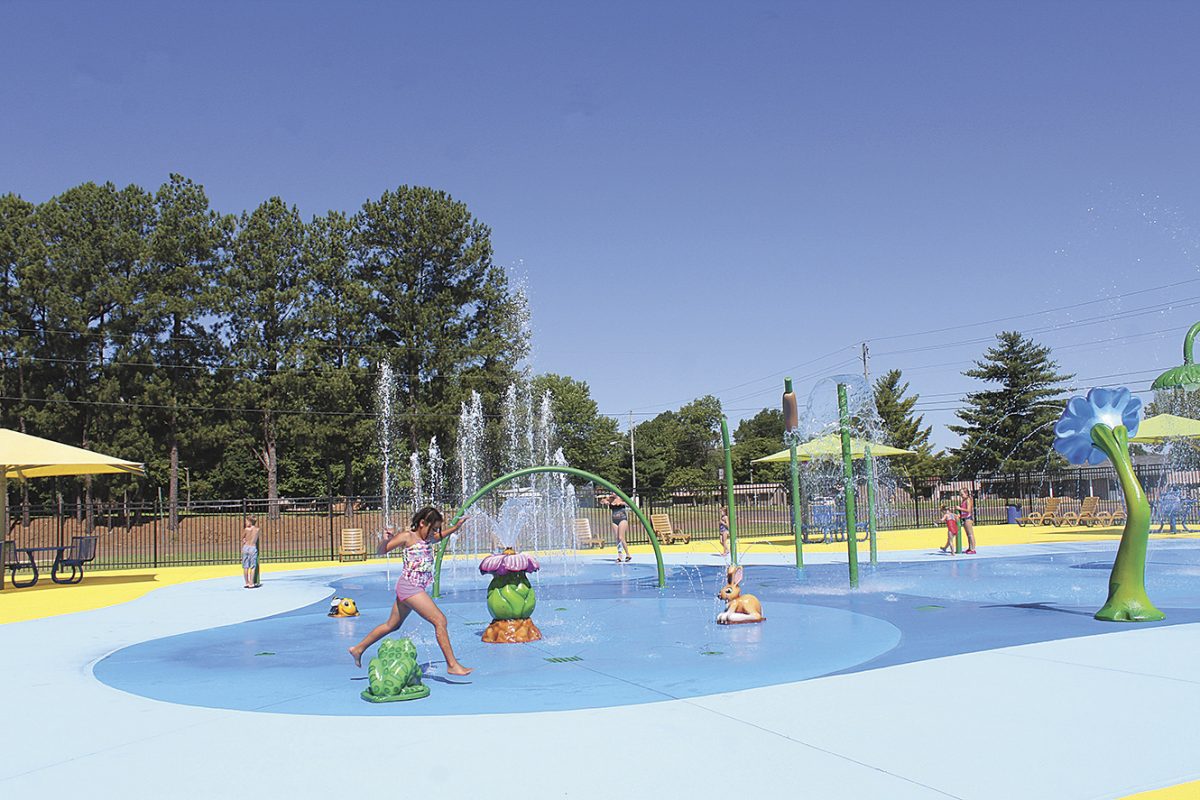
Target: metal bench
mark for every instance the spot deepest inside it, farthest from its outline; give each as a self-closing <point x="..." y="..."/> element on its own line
<point x="81" y="551"/>
<point x="11" y="560"/>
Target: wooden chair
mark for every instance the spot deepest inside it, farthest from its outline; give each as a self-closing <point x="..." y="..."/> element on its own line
<point x="1089" y="514"/>
<point x="665" y="533"/>
<point x="1116" y="516"/>
<point x="584" y="537"/>
<point x="79" y="553"/>
<point x="1047" y="516"/>
<point x="354" y="545"/>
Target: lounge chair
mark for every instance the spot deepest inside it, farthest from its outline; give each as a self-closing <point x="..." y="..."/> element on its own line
<point x="11" y="560"/>
<point x="354" y="545"/>
<point x="81" y="551"/>
<point x="1089" y="514"/>
<point x="584" y="538"/>
<point x="665" y="533"/>
<point x="1047" y="516"/>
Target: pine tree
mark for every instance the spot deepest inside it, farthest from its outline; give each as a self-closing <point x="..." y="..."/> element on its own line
<point x="1010" y="428"/>
<point x="902" y="428"/>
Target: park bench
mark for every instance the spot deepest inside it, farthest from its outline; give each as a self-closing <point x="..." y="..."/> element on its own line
<point x="81" y="551"/>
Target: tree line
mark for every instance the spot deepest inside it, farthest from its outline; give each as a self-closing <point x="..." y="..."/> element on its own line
<point x="239" y="353"/>
<point x="241" y="350"/>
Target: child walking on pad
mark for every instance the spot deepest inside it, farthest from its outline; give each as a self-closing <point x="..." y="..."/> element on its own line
<point x="951" y="520"/>
<point x="412" y="586"/>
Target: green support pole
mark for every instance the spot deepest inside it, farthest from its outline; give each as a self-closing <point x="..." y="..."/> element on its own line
<point x="4" y="514"/>
<point x="848" y="486"/>
<point x="503" y="479"/>
<point x="729" y="497"/>
<point x="797" y="506"/>
<point x="871" y="503"/>
<point x="791" y="422"/>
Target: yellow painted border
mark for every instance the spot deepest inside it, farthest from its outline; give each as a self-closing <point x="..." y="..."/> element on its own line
<point x="1184" y="791"/>
<point x="101" y="588"/>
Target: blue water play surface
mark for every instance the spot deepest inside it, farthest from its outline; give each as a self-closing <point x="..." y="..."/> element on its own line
<point x="612" y="638"/>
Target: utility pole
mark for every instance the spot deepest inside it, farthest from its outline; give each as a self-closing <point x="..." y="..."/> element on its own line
<point x="866" y="359"/>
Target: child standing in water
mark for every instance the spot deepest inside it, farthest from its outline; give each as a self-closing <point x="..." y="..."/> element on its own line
<point x="415" y="577"/>
<point x="951" y="521"/>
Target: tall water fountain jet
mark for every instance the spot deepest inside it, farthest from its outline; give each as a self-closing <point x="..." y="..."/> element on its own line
<point x="385" y="394"/>
<point x="435" y="489"/>
<point x="414" y="472"/>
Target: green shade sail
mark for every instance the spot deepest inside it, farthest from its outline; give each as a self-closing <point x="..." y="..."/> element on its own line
<point x="831" y="447"/>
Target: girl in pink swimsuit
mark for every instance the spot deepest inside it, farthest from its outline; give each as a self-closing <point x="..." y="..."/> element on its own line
<point x="415" y="576"/>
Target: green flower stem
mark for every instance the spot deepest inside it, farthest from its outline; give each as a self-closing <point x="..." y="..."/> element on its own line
<point x="1127" y="599"/>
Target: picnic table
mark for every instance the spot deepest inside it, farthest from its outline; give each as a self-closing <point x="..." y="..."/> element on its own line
<point x="81" y="550"/>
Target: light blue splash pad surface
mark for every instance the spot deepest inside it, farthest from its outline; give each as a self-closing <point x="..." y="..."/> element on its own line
<point x="617" y="640"/>
<point x="623" y="642"/>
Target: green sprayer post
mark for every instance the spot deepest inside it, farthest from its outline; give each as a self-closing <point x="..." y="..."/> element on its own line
<point x="790" y="421"/>
<point x="578" y="473"/>
<point x="848" y="486"/>
<point x="729" y="497"/>
<point x="797" y="505"/>
<point x="871" y="503"/>
<point x="958" y="534"/>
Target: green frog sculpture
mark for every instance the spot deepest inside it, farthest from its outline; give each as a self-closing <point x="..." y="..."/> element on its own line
<point x="395" y="674"/>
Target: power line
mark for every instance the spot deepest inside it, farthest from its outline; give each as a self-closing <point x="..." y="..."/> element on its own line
<point x="236" y="409"/>
<point x="1057" y="310"/>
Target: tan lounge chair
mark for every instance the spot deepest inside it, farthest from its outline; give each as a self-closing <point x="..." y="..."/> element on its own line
<point x="665" y="533"/>
<point x="1089" y="514"/>
<point x="584" y="537"/>
<point x="1047" y="516"/>
<point x="354" y="545"/>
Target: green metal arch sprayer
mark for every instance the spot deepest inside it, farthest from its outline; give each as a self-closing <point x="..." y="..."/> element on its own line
<point x="578" y="473"/>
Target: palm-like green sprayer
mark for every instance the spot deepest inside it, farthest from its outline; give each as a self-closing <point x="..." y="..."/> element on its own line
<point x="1186" y="375"/>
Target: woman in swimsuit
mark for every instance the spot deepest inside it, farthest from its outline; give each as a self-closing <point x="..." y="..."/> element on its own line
<point x="966" y="517"/>
<point x="620" y="523"/>
<point x="415" y="577"/>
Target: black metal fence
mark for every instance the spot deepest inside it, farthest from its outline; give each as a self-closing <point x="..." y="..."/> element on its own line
<point x="141" y="534"/>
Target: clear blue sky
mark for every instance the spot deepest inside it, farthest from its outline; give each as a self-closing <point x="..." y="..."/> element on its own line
<point x="703" y="196"/>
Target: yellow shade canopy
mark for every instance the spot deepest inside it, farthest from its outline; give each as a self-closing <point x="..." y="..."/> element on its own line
<point x="25" y="456"/>
<point x="1166" y="426"/>
<point x="831" y="447"/>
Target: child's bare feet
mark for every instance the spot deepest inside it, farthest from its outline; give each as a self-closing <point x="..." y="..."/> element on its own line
<point x="458" y="669"/>
<point x="356" y="654"/>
